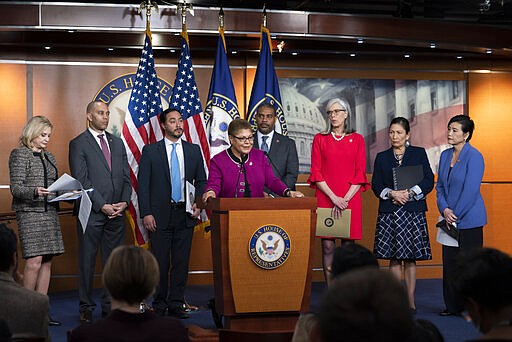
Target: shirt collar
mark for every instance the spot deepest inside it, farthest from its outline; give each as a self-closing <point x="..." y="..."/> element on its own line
<point x="169" y="142"/>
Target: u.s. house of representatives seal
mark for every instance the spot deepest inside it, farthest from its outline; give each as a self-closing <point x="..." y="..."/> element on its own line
<point x="269" y="247"/>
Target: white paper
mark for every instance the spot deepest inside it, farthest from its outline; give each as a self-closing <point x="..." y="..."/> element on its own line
<point x="85" y="209"/>
<point x="190" y="197"/>
<point x="443" y="238"/>
<point x="69" y="196"/>
<point x="65" y="183"/>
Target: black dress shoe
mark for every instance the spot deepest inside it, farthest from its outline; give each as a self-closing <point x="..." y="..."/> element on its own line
<point x="53" y="323"/>
<point x="178" y="313"/>
<point x="445" y="313"/>
<point x="86" y="317"/>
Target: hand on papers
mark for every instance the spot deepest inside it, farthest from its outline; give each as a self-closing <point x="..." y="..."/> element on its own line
<point x="40" y="191"/>
<point x="449" y="216"/>
<point x="149" y="223"/>
<point x="339" y="202"/>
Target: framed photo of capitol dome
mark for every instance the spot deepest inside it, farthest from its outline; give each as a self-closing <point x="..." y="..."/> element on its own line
<point x="427" y="104"/>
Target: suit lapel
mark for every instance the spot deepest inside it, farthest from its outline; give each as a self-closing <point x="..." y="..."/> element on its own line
<point x="275" y="146"/>
<point x="95" y="147"/>
<point x="164" y="160"/>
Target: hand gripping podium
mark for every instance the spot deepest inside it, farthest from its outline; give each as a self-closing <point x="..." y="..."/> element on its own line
<point x="262" y="259"/>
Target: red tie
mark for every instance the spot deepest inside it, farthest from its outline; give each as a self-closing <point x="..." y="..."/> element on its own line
<point x="105" y="150"/>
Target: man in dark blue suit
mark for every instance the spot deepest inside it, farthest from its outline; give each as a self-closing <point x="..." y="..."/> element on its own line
<point x="281" y="150"/>
<point x="164" y="168"/>
<point x="98" y="160"/>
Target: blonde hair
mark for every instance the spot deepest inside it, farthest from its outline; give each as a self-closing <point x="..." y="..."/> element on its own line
<point x="344" y="103"/>
<point x="34" y="127"/>
<point x="131" y="274"/>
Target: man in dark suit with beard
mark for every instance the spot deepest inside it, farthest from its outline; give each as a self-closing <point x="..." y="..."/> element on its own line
<point x="164" y="169"/>
<point x="98" y="160"/>
<point x="281" y="150"/>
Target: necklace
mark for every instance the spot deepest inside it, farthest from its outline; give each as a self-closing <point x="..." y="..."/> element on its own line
<point x="398" y="157"/>
<point x="336" y="138"/>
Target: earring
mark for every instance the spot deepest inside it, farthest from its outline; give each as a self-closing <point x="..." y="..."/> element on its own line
<point x="407" y="143"/>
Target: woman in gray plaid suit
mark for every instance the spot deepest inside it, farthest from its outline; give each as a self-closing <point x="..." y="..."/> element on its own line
<point x="32" y="170"/>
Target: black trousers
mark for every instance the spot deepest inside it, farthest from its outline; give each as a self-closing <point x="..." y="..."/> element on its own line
<point x="100" y="231"/>
<point x="171" y="247"/>
<point x="468" y="239"/>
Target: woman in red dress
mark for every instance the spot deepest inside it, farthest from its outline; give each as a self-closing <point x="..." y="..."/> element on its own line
<point x="338" y="173"/>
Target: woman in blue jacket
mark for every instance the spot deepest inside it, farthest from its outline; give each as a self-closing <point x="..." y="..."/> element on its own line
<point x="401" y="235"/>
<point x="459" y="200"/>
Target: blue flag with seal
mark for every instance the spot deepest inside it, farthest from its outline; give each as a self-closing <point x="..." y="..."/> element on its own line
<point x="221" y="106"/>
<point x="265" y="88"/>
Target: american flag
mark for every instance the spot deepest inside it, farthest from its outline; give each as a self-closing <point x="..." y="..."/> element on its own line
<point x="141" y="127"/>
<point x="185" y="98"/>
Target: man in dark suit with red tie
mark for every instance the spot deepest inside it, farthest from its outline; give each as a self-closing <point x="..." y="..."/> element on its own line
<point x="164" y="169"/>
<point x="280" y="150"/>
<point x="97" y="159"/>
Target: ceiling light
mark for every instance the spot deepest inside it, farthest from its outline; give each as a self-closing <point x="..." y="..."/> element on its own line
<point x="295" y="53"/>
<point x="488" y="51"/>
<point x="352" y="55"/>
<point x="432" y="45"/>
<point x="47" y="47"/>
<point x="459" y="57"/>
<point x="110" y="49"/>
<point x="407" y="55"/>
<point x="71" y="31"/>
<point x="173" y="50"/>
<point x="360" y="41"/>
<point x="234" y="52"/>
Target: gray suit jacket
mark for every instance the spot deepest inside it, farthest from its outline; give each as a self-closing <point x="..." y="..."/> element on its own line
<point x="25" y="311"/>
<point x="283" y="158"/>
<point x="89" y="166"/>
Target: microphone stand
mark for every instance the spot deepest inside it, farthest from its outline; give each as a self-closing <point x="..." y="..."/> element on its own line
<point x="247" y="189"/>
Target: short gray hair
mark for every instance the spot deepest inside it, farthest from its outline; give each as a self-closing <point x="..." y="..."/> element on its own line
<point x="344" y="103"/>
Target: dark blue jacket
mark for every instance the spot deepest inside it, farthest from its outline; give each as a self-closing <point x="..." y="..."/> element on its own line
<point x="383" y="177"/>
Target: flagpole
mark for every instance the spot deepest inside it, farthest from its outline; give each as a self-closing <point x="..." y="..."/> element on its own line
<point x="183" y="8"/>
<point x="148" y="6"/>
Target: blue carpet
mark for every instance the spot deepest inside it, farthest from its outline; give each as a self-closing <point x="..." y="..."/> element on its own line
<point x="429" y="303"/>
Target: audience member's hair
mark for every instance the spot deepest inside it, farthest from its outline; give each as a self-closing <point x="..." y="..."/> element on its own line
<point x="365" y="305"/>
<point x="351" y="256"/>
<point x="8" y="246"/>
<point x="33" y="129"/>
<point x="237" y="125"/>
<point x="425" y="331"/>
<point x="131" y="274"/>
<point x="484" y="275"/>
<point x="5" y="332"/>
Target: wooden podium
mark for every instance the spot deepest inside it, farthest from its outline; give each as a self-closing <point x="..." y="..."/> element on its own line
<point x="262" y="259"/>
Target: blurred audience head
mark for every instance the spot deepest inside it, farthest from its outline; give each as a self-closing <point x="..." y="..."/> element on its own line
<point x="131" y="274"/>
<point x="425" y="331"/>
<point x="483" y="278"/>
<point x="364" y="305"/>
<point x="350" y="256"/>
<point x="8" y="249"/>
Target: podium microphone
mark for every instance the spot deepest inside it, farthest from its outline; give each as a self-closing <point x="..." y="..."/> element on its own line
<point x="247" y="189"/>
<point x="273" y="165"/>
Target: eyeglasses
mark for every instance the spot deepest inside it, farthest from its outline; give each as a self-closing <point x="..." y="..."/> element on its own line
<point x="249" y="139"/>
<point x="335" y="112"/>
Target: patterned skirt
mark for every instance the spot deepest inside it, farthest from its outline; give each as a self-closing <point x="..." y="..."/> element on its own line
<point x="39" y="233"/>
<point x="402" y="235"/>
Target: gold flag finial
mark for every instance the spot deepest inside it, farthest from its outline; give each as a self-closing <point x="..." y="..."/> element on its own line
<point x="183" y="8"/>
<point x="148" y="5"/>
<point x="264" y="15"/>
<point x="221" y="18"/>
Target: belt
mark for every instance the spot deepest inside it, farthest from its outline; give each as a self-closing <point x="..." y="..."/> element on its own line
<point x="179" y="205"/>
